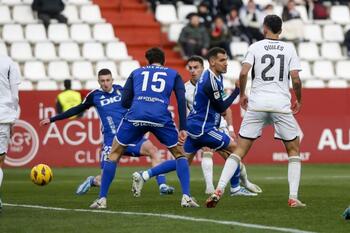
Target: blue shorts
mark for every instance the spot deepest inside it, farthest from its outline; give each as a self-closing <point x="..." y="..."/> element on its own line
<point x="131" y="132"/>
<point x="133" y="150"/>
<point x="213" y="139"/>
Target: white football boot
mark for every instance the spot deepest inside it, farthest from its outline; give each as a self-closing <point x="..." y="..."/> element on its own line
<point x="99" y="203"/>
<point x="188" y="201"/>
<point x="137" y="184"/>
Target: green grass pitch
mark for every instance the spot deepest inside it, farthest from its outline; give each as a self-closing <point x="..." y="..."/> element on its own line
<point x="324" y="188"/>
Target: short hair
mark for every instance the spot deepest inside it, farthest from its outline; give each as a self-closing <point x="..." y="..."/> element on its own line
<point x="274" y="23"/>
<point x="104" y="72"/>
<point x="67" y="83"/>
<point x="155" y="55"/>
<point x="196" y="58"/>
<point x="213" y="52"/>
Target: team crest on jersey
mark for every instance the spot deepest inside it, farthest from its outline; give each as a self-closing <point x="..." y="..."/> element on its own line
<point x="216" y="95"/>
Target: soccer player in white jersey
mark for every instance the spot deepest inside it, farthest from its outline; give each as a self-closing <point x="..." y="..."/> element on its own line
<point x="273" y="61"/>
<point x="195" y="66"/>
<point x="9" y="80"/>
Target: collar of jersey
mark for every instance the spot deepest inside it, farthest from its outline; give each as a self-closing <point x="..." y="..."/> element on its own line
<point x="110" y="92"/>
<point x="217" y="78"/>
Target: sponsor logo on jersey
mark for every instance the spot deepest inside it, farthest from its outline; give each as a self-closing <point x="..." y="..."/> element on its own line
<point x="110" y="100"/>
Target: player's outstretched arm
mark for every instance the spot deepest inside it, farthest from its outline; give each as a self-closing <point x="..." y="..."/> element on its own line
<point x="243" y="76"/>
<point x="179" y="89"/>
<point x="296" y="83"/>
<point x="70" y="112"/>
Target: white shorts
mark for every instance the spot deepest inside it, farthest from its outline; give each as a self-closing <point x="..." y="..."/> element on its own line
<point x="284" y="124"/>
<point x="4" y="137"/>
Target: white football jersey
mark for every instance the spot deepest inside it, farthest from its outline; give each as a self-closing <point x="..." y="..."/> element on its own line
<point x="189" y="95"/>
<point x="9" y="77"/>
<point x="271" y="61"/>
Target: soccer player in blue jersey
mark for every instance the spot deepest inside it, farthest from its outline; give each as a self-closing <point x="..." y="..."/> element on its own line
<point x="195" y="66"/>
<point x="147" y="96"/>
<point x="107" y="101"/>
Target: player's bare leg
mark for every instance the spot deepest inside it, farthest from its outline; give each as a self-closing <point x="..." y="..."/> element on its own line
<point x="108" y="174"/>
<point x="235" y="152"/>
<point x="294" y="172"/>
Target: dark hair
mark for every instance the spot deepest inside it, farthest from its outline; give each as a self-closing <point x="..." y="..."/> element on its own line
<point x="104" y="72"/>
<point x="273" y="22"/>
<point x="196" y="58"/>
<point x="67" y="83"/>
<point x="213" y="52"/>
<point x="155" y="55"/>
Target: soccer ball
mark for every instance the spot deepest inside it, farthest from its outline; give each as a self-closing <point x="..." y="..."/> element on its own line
<point x="41" y="174"/>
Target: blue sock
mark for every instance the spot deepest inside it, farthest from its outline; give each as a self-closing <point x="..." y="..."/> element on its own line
<point x="235" y="178"/>
<point x="161" y="179"/>
<point x="183" y="172"/>
<point x="165" y="167"/>
<point x="108" y="174"/>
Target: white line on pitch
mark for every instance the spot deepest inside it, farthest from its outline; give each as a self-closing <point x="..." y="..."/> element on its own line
<point x="169" y="216"/>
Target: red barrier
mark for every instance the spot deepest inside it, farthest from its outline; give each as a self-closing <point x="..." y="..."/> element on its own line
<point x="324" y="121"/>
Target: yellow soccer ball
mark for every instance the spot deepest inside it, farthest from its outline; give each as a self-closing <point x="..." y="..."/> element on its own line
<point x="41" y="174"/>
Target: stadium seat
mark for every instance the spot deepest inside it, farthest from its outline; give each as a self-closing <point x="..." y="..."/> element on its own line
<point x="58" y="70"/>
<point x="12" y="33"/>
<point x="175" y="31"/>
<point x="58" y="33"/>
<point x="238" y="49"/>
<point x="28" y="2"/>
<point x="25" y="85"/>
<point x="323" y="70"/>
<point x="5" y="15"/>
<point x="79" y="2"/>
<point x="278" y="9"/>
<point x="333" y="32"/>
<point x="308" y="51"/>
<point x="80" y="33"/>
<point x="184" y="10"/>
<point x="69" y="51"/>
<point x="337" y="83"/>
<point x="21" y="51"/>
<point x="120" y="82"/>
<point x="117" y="51"/>
<point x="206" y="64"/>
<point x="228" y="84"/>
<point x="82" y="70"/>
<point x="312" y="32"/>
<point x="71" y="12"/>
<point x="331" y="51"/>
<point x="3" y="49"/>
<point x="343" y="69"/>
<point x="76" y="85"/>
<point x="262" y="3"/>
<point x="233" y="69"/>
<point x="23" y="14"/>
<point x="166" y="14"/>
<point x="93" y="51"/>
<point x="303" y="12"/>
<point x="104" y="32"/>
<point x="305" y="72"/>
<point x="45" y="51"/>
<point x="314" y="83"/>
<point x="340" y="14"/>
<point x="34" y="70"/>
<point x="11" y="2"/>
<point x="35" y="33"/>
<point x="47" y="85"/>
<point x="126" y="67"/>
<point x="91" y="14"/>
<point x="91" y="85"/>
<point x="107" y="65"/>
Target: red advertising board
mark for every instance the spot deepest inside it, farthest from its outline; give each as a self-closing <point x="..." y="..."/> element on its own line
<point x="324" y="122"/>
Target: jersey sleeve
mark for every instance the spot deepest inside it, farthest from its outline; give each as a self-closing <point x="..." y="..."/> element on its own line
<point x="179" y="89"/>
<point x="249" y="56"/>
<point x="294" y="63"/>
<point x="128" y="92"/>
<point x="215" y="95"/>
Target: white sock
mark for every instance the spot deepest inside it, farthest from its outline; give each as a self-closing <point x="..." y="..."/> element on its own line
<point x="294" y="171"/>
<point x="145" y="175"/>
<point x="207" y="168"/>
<point x="244" y="176"/>
<point x="1" y="176"/>
<point x="231" y="164"/>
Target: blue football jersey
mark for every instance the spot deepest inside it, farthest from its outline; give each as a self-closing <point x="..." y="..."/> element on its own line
<point x="204" y="117"/>
<point x="152" y="88"/>
<point x="108" y="106"/>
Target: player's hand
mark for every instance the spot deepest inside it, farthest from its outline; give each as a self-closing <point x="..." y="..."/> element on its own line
<point x="45" y="122"/>
<point x="296" y="107"/>
<point x="237" y="83"/>
<point x="182" y="136"/>
<point x="243" y="101"/>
